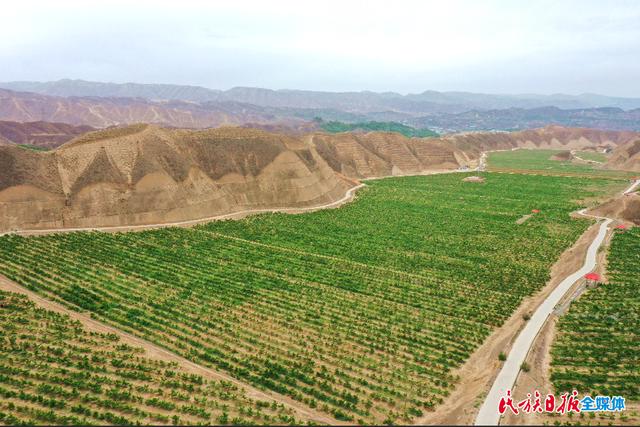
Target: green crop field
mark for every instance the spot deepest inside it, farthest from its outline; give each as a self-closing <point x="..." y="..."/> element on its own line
<point x="363" y="312"/>
<point x="54" y="372"/>
<point x="597" y="350"/>
<point x="408" y="131"/>
<point x="591" y="155"/>
<point x="540" y="161"/>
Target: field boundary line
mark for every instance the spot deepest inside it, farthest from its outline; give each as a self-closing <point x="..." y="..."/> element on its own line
<point x="156" y="351"/>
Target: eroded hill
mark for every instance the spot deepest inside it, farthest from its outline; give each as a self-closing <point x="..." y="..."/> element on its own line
<point x="143" y="174"/>
<point x="626" y="156"/>
<point x="103" y="112"/>
<point x="40" y="134"/>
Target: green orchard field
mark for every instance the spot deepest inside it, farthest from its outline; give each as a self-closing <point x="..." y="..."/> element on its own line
<point x="539" y="161"/>
<point x="597" y="350"/>
<point x="54" y="372"/>
<point x="363" y="312"/>
<point x="592" y="156"/>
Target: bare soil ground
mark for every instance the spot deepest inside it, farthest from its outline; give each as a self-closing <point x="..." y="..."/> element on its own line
<point x="626" y="208"/>
<point x="522" y="219"/>
<point x="473" y="179"/>
<point x="151" y="350"/>
<point x="478" y="373"/>
<point x="562" y="156"/>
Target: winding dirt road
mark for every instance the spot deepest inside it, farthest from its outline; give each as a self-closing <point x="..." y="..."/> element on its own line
<point x="348" y="196"/>
<point x="488" y="414"/>
<point x="573" y="153"/>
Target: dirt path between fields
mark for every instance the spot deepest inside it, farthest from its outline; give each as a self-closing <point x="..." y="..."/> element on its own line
<point x="573" y="153"/>
<point x="156" y="352"/>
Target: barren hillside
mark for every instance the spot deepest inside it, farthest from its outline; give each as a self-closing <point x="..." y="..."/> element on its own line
<point x="626" y="156"/>
<point x="41" y="134"/>
<point x="143" y="174"/>
<point x="382" y="154"/>
<point x="550" y="137"/>
<point x="625" y="208"/>
<point x="104" y="112"/>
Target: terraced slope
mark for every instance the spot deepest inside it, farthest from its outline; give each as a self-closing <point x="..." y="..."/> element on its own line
<point x="597" y="350"/>
<point x="361" y="312"/>
<point x="54" y="372"/>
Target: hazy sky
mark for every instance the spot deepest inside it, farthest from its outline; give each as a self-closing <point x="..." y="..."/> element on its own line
<point x="511" y="46"/>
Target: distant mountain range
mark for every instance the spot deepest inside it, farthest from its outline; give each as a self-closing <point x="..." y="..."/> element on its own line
<point x="80" y="102"/>
<point x="428" y="101"/>
<point x="40" y="134"/>
<point x="519" y="118"/>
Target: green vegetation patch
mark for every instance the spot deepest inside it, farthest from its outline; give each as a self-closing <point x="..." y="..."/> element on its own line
<point x="597" y="350"/>
<point x="592" y="155"/>
<point x="408" y="131"/>
<point x="53" y="371"/>
<point x="363" y="312"/>
<point x="33" y="147"/>
<point x="540" y="161"/>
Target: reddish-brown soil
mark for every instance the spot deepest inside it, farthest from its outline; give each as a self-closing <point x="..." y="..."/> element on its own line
<point x="40" y="134"/>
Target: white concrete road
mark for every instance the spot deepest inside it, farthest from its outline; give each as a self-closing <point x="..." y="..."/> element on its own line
<point x="488" y="414"/>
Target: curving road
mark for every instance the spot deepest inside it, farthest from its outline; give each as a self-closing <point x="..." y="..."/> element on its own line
<point x="488" y="414"/>
<point x="573" y="153"/>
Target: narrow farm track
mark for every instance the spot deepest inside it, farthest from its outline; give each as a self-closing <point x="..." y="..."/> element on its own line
<point x="488" y="414"/>
<point x="573" y="153"/>
<point x="157" y="352"/>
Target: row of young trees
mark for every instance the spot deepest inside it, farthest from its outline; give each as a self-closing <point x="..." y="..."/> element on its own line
<point x="598" y="346"/>
<point x="362" y="312"/>
<point x="52" y="371"/>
